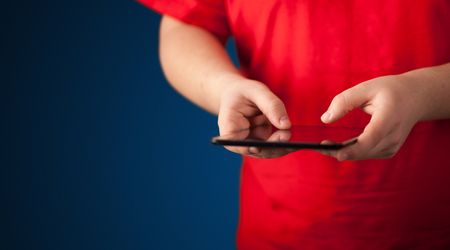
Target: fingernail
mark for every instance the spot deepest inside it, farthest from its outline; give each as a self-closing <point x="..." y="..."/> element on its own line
<point x="326" y="116"/>
<point x="253" y="150"/>
<point x="284" y="121"/>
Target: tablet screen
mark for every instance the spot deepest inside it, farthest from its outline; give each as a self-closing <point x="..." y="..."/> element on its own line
<point x="298" y="137"/>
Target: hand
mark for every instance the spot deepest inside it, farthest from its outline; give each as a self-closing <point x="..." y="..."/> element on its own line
<point x="261" y="133"/>
<point x="247" y="103"/>
<point x="394" y="104"/>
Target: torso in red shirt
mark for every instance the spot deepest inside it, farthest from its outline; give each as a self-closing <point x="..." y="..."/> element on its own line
<point x="307" y="52"/>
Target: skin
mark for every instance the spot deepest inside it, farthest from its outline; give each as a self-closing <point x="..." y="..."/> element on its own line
<point x="197" y="66"/>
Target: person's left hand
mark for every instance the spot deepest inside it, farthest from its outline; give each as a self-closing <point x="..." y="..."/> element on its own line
<point x="395" y="107"/>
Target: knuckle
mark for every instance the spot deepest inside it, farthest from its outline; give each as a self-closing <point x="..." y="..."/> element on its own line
<point x="257" y="88"/>
<point x="222" y="120"/>
<point x="228" y="124"/>
<point x="341" y="101"/>
<point x="389" y="152"/>
<point x="338" y="99"/>
<point x="274" y="105"/>
<point x="344" y="155"/>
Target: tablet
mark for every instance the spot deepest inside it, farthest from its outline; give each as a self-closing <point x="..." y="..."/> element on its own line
<point x="298" y="137"/>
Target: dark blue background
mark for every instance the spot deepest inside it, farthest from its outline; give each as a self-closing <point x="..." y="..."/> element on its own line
<point x="102" y="153"/>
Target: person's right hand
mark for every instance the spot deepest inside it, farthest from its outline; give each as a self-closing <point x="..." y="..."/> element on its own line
<point x="247" y="103"/>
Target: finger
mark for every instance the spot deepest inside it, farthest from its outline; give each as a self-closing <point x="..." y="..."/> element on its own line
<point x="390" y="144"/>
<point x="280" y="135"/>
<point x="271" y="106"/>
<point x="327" y="152"/>
<point x="385" y="149"/>
<point x="345" y="102"/>
<point x="261" y="132"/>
<point x="272" y="153"/>
<point x="230" y="121"/>
<point x="259" y="120"/>
<point x="242" y="150"/>
<point x="373" y="134"/>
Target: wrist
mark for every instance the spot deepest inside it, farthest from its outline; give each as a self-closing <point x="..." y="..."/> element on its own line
<point x="429" y="89"/>
<point x="414" y="95"/>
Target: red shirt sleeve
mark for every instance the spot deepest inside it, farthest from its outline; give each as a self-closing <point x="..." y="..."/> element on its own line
<point x="207" y="14"/>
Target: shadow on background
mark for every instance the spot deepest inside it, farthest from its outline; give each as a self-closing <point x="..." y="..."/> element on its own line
<point x="104" y="154"/>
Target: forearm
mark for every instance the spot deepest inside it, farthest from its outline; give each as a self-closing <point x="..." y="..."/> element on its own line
<point x="195" y="63"/>
<point x="434" y="83"/>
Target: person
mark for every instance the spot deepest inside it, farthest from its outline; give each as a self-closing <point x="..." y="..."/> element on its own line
<point x="382" y="66"/>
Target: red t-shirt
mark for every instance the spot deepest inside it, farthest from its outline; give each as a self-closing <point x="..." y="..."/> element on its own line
<point x="307" y="52"/>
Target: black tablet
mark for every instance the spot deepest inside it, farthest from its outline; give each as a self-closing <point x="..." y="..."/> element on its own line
<point x="298" y="137"/>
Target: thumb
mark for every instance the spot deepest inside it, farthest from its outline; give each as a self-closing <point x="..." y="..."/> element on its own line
<point x="271" y="106"/>
<point x="343" y="103"/>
